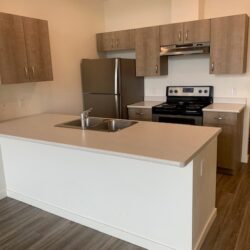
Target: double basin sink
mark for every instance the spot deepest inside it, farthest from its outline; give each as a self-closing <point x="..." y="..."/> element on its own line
<point x="99" y="124"/>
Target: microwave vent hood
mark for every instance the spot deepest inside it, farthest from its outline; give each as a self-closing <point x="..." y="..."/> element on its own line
<point x="185" y="49"/>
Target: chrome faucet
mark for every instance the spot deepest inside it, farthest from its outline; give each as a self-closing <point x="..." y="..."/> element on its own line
<point x="84" y="117"/>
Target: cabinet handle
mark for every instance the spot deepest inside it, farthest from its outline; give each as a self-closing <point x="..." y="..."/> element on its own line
<point x="212" y="67"/>
<point x="112" y="43"/>
<point x="139" y="113"/>
<point x="156" y="69"/>
<point x="187" y="32"/>
<point x="179" y="36"/>
<point x="219" y="118"/>
<point x="117" y="43"/>
<point x="33" y="71"/>
<point x="26" y="72"/>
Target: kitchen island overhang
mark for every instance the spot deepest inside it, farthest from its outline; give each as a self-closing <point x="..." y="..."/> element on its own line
<point x="152" y="204"/>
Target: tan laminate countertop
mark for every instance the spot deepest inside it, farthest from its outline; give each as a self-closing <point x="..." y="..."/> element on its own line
<point x="145" y="104"/>
<point x="225" y="107"/>
<point x="171" y="144"/>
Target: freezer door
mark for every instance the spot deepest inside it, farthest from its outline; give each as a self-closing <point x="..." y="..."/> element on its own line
<point x="103" y="105"/>
<point x="100" y="76"/>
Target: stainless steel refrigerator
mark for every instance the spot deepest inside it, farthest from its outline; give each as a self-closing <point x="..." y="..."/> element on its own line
<point x="109" y="85"/>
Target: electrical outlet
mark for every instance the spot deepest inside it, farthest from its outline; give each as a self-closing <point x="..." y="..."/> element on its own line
<point x="234" y="92"/>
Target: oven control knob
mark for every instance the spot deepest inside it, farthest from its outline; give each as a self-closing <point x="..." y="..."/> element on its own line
<point x="200" y="91"/>
<point x="176" y="91"/>
<point x="171" y="91"/>
<point x="205" y="91"/>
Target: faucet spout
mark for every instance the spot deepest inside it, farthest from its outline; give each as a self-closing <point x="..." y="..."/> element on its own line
<point x="84" y="117"/>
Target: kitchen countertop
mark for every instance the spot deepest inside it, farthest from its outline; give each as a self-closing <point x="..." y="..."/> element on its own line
<point x="145" y="104"/>
<point x="225" y="107"/>
<point x="171" y="144"/>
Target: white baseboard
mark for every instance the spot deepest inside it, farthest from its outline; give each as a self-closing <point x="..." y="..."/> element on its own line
<point x="206" y="229"/>
<point x="3" y="194"/>
<point x="91" y="223"/>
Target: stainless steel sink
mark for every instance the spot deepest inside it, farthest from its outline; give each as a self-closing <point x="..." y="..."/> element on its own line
<point x="99" y="124"/>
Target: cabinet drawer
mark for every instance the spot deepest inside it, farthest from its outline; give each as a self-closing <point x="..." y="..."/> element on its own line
<point x="140" y="114"/>
<point x="217" y="118"/>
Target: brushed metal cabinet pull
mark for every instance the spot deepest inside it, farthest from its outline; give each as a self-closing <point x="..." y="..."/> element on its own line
<point x="187" y="32"/>
<point x="117" y="43"/>
<point x="212" y="67"/>
<point x="156" y="69"/>
<point x="112" y="43"/>
<point x="26" y="72"/>
<point x="179" y="36"/>
<point x="139" y="113"/>
<point x="219" y="118"/>
<point x="33" y="71"/>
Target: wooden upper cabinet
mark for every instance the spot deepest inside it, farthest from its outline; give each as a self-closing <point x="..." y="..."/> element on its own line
<point x="171" y="34"/>
<point x="147" y="48"/>
<point x="24" y="50"/>
<point x="13" y="59"/>
<point x="228" y="51"/>
<point x="38" y="49"/>
<point x="117" y="40"/>
<point x="197" y="31"/>
<point x="181" y="33"/>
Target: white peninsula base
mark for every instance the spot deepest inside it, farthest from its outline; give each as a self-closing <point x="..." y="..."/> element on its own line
<point x="153" y="205"/>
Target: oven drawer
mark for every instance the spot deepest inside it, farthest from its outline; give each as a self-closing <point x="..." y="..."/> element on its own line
<point x="217" y="118"/>
<point x="141" y="114"/>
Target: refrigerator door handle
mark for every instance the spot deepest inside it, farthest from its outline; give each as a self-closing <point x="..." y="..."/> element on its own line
<point x="117" y="106"/>
<point x="116" y="76"/>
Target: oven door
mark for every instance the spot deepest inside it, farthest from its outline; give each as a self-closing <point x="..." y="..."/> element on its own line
<point x="180" y="119"/>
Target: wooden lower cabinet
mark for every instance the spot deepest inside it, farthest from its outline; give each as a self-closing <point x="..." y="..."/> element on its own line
<point x="140" y="114"/>
<point x="229" y="141"/>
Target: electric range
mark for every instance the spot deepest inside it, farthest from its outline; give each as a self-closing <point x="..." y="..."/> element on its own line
<point x="184" y="105"/>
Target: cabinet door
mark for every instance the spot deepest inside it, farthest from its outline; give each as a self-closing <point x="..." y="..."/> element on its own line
<point x="124" y="39"/>
<point x="197" y="31"/>
<point x="105" y="41"/>
<point x="140" y="114"/>
<point x="147" y="47"/>
<point x="38" y="49"/>
<point x="229" y="37"/>
<point x="13" y="58"/>
<point x="230" y="139"/>
<point x="171" y="34"/>
<point x="118" y="40"/>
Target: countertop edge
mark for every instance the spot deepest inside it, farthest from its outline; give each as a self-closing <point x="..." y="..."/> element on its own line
<point x="101" y="151"/>
<point x="200" y="149"/>
<point x="217" y="109"/>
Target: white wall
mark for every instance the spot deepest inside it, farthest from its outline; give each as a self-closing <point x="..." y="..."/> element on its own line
<point x="135" y="14"/>
<point x="188" y="70"/>
<point x="72" y="26"/>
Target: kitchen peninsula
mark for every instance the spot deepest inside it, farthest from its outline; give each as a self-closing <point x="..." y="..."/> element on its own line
<point x="151" y="184"/>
